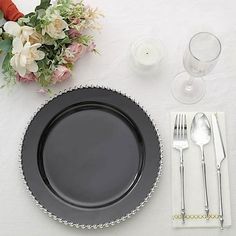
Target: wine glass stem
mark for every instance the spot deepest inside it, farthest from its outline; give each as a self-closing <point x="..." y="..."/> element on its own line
<point x="189" y="84"/>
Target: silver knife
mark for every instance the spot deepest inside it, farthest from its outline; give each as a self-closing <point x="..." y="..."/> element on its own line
<point x="220" y="156"/>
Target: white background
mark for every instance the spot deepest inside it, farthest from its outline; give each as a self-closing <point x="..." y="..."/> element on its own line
<point x="174" y="22"/>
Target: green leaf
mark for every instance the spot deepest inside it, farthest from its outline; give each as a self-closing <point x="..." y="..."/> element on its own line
<point x="85" y="39"/>
<point x="5" y="45"/>
<point x="6" y="67"/>
<point x="1" y="15"/>
<point x="44" y="4"/>
<point x="41" y="13"/>
<point x="66" y="40"/>
<point x="29" y="14"/>
<point x="61" y="42"/>
<point x="33" y="20"/>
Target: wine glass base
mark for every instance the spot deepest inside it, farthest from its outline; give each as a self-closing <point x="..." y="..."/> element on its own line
<point x="185" y="92"/>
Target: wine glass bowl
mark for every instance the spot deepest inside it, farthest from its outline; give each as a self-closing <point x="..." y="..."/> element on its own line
<point x="201" y="56"/>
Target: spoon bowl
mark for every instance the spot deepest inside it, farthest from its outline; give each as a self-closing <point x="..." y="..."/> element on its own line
<point x="200" y="130"/>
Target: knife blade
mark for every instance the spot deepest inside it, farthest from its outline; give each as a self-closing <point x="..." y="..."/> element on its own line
<point x="218" y="141"/>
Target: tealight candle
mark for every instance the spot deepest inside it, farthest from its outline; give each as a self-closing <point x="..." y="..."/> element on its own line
<point x="146" y="54"/>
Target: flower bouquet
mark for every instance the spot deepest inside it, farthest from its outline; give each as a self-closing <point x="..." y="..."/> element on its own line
<point x="43" y="46"/>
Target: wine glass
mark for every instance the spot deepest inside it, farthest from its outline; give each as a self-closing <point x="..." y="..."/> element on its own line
<point x="199" y="59"/>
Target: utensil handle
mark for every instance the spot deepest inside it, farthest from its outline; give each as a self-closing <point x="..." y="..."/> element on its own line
<point x="182" y="187"/>
<point x="205" y="188"/>
<point x="205" y="183"/>
<point x="221" y="215"/>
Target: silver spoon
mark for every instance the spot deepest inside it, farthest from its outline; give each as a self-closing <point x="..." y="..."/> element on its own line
<point x="201" y="135"/>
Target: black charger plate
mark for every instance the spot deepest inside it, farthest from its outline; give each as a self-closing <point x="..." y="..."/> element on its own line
<point x="91" y="157"/>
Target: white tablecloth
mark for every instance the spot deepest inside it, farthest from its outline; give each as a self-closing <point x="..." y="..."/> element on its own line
<point x="174" y="22"/>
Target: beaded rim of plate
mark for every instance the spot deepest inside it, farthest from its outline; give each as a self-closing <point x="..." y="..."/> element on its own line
<point x="106" y="224"/>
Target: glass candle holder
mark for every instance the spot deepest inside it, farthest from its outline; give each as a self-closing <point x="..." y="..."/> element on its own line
<point x="146" y="55"/>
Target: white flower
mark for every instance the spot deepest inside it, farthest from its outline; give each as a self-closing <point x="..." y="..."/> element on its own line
<point x="53" y="2"/>
<point x="22" y="32"/>
<point x="25" y="57"/>
<point x="55" y="29"/>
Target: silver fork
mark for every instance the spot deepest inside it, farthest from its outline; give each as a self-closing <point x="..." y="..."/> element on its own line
<point x="180" y="142"/>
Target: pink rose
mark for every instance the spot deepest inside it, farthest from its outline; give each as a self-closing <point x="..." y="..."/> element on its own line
<point x="26" y="78"/>
<point x="73" y="33"/>
<point x="91" y="47"/>
<point x="61" y="73"/>
<point x="74" y="52"/>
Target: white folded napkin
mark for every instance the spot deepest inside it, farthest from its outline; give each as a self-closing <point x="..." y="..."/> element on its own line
<point x="194" y="195"/>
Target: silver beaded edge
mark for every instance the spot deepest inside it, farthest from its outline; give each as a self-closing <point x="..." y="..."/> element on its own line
<point x="107" y="224"/>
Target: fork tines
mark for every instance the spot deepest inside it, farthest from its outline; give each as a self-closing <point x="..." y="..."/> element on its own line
<point x="180" y="127"/>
